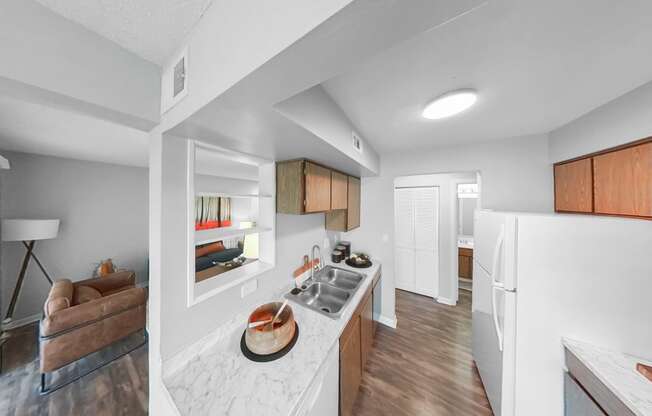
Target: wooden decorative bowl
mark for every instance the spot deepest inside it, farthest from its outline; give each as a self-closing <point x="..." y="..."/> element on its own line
<point x="265" y="340"/>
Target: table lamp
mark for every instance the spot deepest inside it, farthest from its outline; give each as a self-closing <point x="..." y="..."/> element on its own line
<point x="28" y="232"/>
<point x="250" y="249"/>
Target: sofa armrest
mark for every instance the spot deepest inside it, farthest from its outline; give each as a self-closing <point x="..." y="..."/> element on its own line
<point x="110" y="282"/>
<point x="88" y="313"/>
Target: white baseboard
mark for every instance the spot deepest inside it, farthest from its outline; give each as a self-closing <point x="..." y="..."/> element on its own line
<point x="17" y="323"/>
<point x="390" y="322"/>
<point x="446" y="301"/>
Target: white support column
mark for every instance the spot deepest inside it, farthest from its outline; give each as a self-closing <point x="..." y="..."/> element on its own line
<point x="161" y="191"/>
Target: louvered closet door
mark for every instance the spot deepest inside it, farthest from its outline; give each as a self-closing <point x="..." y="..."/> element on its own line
<point x="404" y="239"/>
<point x="426" y="247"/>
<point x="416" y="239"/>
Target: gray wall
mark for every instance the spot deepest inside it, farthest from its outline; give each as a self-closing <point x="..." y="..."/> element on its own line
<point x="623" y="120"/>
<point x="103" y="210"/>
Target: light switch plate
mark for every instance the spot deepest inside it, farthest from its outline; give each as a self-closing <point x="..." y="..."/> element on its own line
<point x="248" y="288"/>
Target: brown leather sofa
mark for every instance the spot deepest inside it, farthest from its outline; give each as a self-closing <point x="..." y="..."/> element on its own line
<point x="83" y="317"/>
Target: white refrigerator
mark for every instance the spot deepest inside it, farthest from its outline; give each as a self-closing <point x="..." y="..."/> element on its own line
<point x="540" y="277"/>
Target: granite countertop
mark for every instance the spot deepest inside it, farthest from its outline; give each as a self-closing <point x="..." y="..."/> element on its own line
<point x="617" y="371"/>
<point x="212" y="376"/>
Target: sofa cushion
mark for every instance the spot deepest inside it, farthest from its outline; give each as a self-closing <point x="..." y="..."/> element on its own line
<point x="206" y="249"/>
<point x="85" y="294"/>
<point x="210" y="260"/>
<point x="226" y="255"/>
<point x="60" y="297"/>
<point x="203" y="263"/>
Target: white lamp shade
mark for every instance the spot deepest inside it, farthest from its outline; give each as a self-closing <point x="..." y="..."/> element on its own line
<point x="250" y="249"/>
<point x="28" y="230"/>
<point x="4" y="163"/>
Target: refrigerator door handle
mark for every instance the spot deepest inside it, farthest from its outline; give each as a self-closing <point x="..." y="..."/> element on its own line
<point x="497" y="252"/>
<point x="494" y="313"/>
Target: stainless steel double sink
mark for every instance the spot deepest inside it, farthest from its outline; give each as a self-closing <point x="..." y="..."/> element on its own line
<point x="328" y="291"/>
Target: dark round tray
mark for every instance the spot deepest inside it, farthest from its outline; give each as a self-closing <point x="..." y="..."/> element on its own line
<point x="357" y="265"/>
<point x="270" y="357"/>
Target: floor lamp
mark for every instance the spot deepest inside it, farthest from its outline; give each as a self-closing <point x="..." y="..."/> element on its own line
<point x="28" y="232"/>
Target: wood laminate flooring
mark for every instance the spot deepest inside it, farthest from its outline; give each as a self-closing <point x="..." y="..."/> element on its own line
<point x="424" y="367"/>
<point x="119" y="388"/>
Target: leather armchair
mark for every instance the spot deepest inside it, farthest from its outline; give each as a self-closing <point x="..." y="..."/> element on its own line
<point x="83" y="317"/>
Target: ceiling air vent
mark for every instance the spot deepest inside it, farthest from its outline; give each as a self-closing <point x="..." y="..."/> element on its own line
<point x="175" y="81"/>
<point x="357" y="142"/>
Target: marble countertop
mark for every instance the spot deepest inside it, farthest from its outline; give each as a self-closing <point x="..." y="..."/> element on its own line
<point x="618" y="372"/>
<point x="212" y="376"/>
<point x="465" y="241"/>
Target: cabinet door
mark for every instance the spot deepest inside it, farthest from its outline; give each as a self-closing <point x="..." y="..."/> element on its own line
<point x="574" y="186"/>
<point x="366" y="328"/>
<point x="623" y="181"/>
<point x="350" y="367"/>
<point x="339" y="186"/>
<point x="353" y="212"/>
<point x="290" y="187"/>
<point x="577" y="402"/>
<point x="465" y="263"/>
<point x="318" y="188"/>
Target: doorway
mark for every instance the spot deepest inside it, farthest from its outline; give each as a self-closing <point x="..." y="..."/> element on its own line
<point x="467" y="203"/>
<point x="427" y="231"/>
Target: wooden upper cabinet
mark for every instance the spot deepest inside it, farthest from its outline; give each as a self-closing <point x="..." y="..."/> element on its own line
<point x="290" y="187"/>
<point x="318" y="188"/>
<point x="339" y="187"/>
<point x="353" y="217"/>
<point x="302" y="187"/>
<point x="574" y="186"/>
<point x="623" y="181"/>
<point x="346" y="220"/>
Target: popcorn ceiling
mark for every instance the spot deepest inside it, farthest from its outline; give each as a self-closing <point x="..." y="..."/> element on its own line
<point x="152" y="29"/>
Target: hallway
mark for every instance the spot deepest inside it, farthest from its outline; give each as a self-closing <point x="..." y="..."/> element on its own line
<point x="424" y="367"/>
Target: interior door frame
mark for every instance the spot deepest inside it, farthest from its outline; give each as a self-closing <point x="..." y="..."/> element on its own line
<point x="456" y="225"/>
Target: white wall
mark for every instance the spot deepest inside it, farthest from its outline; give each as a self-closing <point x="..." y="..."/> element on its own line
<point x="316" y="111"/>
<point x="625" y="119"/>
<point x="516" y="175"/>
<point x="42" y="49"/>
<point x="214" y="65"/>
<point x="103" y="213"/>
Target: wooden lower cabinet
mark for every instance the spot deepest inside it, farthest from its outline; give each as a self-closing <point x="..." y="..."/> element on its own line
<point x="465" y="263"/>
<point x="350" y="366"/>
<point x="356" y="343"/>
<point x="366" y="328"/>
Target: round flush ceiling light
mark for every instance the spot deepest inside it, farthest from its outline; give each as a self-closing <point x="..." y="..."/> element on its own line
<point x="450" y="104"/>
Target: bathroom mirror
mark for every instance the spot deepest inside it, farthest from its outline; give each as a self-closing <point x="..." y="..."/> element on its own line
<point x="467" y="199"/>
